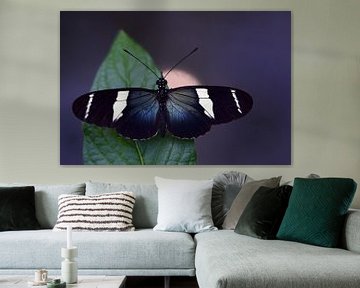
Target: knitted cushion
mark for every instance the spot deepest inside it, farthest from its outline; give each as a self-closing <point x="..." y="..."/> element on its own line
<point x="105" y="212"/>
<point x="316" y="211"/>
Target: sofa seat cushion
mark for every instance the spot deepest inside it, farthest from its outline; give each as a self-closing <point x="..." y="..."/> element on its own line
<point x="226" y="259"/>
<point x="142" y="249"/>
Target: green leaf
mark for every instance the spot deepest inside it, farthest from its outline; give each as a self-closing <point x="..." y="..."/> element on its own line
<point x="121" y="70"/>
<point x="104" y="145"/>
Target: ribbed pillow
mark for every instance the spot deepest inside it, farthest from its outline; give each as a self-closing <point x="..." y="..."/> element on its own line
<point x="105" y="212"/>
<point x="225" y="189"/>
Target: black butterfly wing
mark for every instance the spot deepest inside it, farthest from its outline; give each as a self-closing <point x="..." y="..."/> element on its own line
<point x="186" y="118"/>
<point x="140" y="119"/>
<point x="193" y="109"/>
<point x="224" y="104"/>
<point x="133" y="112"/>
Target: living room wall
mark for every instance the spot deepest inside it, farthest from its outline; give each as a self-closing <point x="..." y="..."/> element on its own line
<point x="325" y="91"/>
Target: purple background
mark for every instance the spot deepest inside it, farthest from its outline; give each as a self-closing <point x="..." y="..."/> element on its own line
<point x="244" y="49"/>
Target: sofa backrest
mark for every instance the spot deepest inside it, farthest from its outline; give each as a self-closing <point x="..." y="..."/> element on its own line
<point x="46" y="199"/>
<point x="351" y="237"/>
<point x="146" y="203"/>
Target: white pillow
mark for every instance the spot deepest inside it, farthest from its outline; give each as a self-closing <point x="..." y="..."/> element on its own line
<point x="184" y="205"/>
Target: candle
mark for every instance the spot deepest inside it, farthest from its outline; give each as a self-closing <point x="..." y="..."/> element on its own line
<point x="69" y="237"/>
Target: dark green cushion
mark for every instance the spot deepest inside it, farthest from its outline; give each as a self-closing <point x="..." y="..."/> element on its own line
<point x="17" y="208"/>
<point x="264" y="213"/>
<point x="316" y="211"/>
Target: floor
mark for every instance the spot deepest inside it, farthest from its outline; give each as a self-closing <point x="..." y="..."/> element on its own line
<point x="131" y="282"/>
<point x="158" y="282"/>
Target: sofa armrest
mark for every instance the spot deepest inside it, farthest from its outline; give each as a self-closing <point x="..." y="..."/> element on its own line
<point x="351" y="234"/>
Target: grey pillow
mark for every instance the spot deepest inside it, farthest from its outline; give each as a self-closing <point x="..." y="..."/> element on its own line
<point x="225" y="189"/>
<point x="243" y="198"/>
<point x="310" y="176"/>
<point x="184" y="205"/>
<point x="46" y="200"/>
<point x="146" y="204"/>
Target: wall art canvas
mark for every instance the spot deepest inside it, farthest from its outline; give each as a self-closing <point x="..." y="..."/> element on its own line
<point x="175" y="88"/>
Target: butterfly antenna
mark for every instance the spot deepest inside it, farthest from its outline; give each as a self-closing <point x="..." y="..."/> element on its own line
<point x="181" y="60"/>
<point x="127" y="51"/>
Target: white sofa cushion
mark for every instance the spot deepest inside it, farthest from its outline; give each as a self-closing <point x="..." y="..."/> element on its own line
<point x="184" y="205"/>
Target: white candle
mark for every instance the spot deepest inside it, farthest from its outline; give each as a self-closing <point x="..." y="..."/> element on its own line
<point x="69" y="237"/>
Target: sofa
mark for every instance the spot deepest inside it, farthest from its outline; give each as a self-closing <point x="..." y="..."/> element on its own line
<point x="218" y="258"/>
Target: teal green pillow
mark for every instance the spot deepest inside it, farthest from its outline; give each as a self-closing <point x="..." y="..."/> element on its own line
<point x="316" y="211"/>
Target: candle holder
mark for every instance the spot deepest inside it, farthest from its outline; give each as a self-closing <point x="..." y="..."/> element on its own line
<point x="69" y="271"/>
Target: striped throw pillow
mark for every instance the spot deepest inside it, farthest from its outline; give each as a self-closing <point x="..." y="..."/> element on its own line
<point x="105" y="212"/>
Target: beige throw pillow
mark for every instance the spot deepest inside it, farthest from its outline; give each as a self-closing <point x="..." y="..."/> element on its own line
<point x="243" y="198"/>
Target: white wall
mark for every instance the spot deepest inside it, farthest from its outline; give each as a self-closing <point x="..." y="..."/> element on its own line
<point x="325" y="85"/>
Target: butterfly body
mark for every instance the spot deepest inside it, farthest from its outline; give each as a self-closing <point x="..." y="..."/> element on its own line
<point x="162" y="96"/>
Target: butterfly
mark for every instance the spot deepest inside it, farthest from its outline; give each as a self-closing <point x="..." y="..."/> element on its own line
<point x="184" y="112"/>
